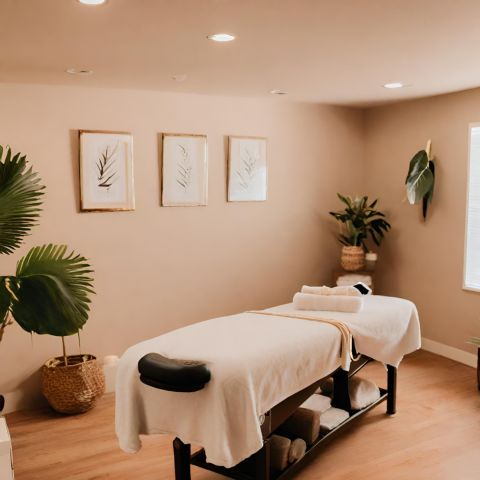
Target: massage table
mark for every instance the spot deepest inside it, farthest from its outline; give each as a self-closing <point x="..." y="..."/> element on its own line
<point x="247" y="373"/>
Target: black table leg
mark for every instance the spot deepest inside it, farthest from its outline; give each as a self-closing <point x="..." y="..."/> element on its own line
<point x="181" y="453"/>
<point x="262" y="462"/>
<point x="392" y="390"/>
<point x="341" y="395"/>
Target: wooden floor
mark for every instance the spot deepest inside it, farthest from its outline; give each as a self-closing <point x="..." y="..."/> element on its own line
<point x="434" y="436"/>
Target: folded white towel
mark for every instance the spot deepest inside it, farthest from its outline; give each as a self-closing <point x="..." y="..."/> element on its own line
<point x="353" y="278"/>
<point x="346" y="291"/>
<point x="319" y="403"/>
<point x="363" y="392"/>
<point x="332" y="418"/>
<point x="332" y="303"/>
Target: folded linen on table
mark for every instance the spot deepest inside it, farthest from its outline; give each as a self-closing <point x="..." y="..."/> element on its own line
<point x="303" y="423"/>
<point x="319" y="403"/>
<point x="332" y="418"/>
<point x="350" y="291"/>
<point x="284" y="451"/>
<point x="297" y="450"/>
<point x="331" y="303"/>
<point x="349" y="279"/>
<point x="363" y="392"/>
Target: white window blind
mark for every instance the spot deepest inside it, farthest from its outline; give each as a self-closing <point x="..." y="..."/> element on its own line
<point x="471" y="279"/>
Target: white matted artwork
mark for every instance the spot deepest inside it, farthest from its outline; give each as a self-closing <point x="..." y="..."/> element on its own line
<point x="184" y="170"/>
<point x="106" y="171"/>
<point x="247" y="169"/>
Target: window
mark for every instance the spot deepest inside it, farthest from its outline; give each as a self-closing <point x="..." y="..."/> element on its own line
<point x="471" y="274"/>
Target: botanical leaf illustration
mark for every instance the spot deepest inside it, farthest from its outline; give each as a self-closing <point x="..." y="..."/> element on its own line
<point x="248" y="170"/>
<point x="107" y="174"/>
<point x="184" y="169"/>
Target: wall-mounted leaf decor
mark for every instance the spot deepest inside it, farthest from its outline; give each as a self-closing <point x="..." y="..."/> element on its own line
<point x="420" y="181"/>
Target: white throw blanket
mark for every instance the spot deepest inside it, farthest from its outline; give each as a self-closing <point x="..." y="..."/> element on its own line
<point x="256" y="361"/>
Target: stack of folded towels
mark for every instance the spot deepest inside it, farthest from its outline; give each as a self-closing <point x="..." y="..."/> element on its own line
<point x="316" y="416"/>
<point x="337" y="299"/>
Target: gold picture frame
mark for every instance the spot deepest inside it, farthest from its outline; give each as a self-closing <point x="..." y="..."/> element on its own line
<point x="184" y="167"/>
<point x="106" y="171"/>
<point x="247" y="170"/>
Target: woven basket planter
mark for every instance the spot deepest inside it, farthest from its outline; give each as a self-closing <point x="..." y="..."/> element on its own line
<point x="353" y="258"/>
<point x="74" y="388"/>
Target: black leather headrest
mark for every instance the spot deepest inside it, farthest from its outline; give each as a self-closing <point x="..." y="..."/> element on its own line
<point x="173" y="375"/>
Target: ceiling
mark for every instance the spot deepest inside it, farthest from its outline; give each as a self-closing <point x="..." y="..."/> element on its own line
<point x="330" y="51"/>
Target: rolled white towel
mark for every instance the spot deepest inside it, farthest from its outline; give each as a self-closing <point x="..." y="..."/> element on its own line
<point x="350" y="291"/>
<point x="320" y="403"/>
<point x="331" y="303"/>
<point x="297" y="450"/>
<point x="363" y="392"/>
<point x="332" y="418"/>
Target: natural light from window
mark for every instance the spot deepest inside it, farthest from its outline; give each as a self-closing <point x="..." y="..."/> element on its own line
<point x="471" y="274"/>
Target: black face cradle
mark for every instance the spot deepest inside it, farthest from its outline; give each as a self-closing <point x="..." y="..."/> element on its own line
<point x="173" y="375"/>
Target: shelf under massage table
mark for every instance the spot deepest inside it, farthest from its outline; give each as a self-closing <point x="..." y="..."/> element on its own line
<point x="262" y="367"/>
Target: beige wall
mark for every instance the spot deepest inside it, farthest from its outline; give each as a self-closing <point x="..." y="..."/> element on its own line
<point x="424" y="261"/>
<point x="160" y="268"/>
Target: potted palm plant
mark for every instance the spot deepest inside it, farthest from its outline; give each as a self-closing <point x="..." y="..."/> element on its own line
<point x="49" y="292"/>
<point x="359" y="220"/>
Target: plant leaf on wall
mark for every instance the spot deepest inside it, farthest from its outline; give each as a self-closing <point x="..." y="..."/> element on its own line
<point x="420" y="178"/>
<point x="420" y="181"/>
<point x="427" y="199"/>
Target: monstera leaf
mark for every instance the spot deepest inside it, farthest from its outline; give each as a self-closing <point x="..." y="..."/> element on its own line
<point x="20" y="199"/>
<point x="420" y="181"/>
<point x="50" y="291"/>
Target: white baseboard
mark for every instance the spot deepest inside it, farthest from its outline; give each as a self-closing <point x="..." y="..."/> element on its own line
<point x="449" y="352"/>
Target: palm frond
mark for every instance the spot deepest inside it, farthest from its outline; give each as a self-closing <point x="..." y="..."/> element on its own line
<point x="20" y="200"/>
<point x="51" y="291"/>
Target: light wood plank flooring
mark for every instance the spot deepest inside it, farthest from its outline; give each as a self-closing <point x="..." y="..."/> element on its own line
<point x="434" y="436"/>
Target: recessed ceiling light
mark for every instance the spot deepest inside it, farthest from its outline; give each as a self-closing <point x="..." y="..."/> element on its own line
<point x="78" y="71"/>
<point x="393" y="85"/>
<point x="278" y="92"/>
<point x="92" y="2"/>
<point x="221" y="37"/>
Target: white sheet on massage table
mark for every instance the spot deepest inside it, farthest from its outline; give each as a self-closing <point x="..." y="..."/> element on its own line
<point x="256" y="362"/>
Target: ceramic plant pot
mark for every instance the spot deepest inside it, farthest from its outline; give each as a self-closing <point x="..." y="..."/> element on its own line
<point x="353" y="258"/>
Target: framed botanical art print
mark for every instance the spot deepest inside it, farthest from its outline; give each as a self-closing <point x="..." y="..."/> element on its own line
<point x="247" y="169"/>
<point x="106" y="171"/>
<point x="184" y="170"/>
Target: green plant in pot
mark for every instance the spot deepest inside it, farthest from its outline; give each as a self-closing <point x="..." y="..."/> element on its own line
<point x="49" y="292"/>
<point x="359" y="222"/>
